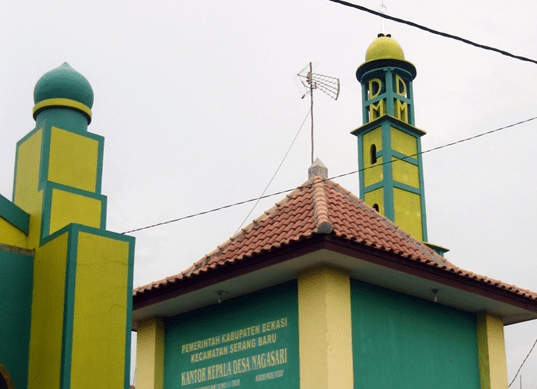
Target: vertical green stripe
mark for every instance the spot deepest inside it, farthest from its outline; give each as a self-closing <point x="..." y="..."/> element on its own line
<point x="128" y="324"/>
<point x="389" y="207"/>
<point x="100" y="157"/>
<point x="69" y="304"/>
<point x="45" y="156"/>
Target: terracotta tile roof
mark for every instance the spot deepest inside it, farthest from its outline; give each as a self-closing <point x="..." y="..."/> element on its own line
<point x="320" y="206"/>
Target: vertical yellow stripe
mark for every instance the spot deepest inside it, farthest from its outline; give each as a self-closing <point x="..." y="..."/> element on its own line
<point x="45" y="356"/>
<point x="491" y="351"/>
<point x="408" y="212"/>
<point x="324" y="316"/>
<point x="27" y="194"/>
<point x="150" y="354"/>
<point x="100" y="312"/>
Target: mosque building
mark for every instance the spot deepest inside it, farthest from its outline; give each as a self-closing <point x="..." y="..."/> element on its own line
<point x="326" y="290"/>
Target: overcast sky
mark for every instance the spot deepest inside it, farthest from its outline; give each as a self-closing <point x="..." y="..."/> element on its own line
<point x="198" y="106"/>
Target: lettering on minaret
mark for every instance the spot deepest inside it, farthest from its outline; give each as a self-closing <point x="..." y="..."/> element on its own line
<point x="400" y="107"/>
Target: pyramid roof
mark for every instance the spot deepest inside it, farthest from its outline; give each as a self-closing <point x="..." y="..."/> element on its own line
<point x="320" y="222"/>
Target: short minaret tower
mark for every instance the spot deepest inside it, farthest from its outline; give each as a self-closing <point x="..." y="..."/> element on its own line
<point x="389" y="146"/>
<point x="82" y="273"/>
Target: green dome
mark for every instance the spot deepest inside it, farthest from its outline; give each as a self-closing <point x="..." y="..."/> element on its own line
<point x="384" y="47"/>
<point x="64" y="82"/>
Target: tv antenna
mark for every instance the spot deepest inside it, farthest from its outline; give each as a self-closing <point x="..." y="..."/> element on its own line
<point x="307" y="82"/>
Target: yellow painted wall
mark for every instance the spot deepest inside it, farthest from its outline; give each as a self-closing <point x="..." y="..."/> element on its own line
<point x="26" y="194"/>
<point x="372" y="175"/>
<point x="405" y="173"/>
<point x="11" y="235"/>
<point x="47" y="314"/>
<point x="68" y="207"/>
<point x="404" y="143"/>
<point x="73" y="160"/>
<point x="99" y="333"/>
<point x="491" y="351"/>
<point x="150" y="354"/>
<point x="373" y="136"/>
<point x="324" y="316"/>
<point x="27" y="168"/>
<point x="375" y="197"/>
<point x="408" y="212"/>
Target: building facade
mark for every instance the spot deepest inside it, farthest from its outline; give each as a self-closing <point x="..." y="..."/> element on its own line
<point x="326" y="290"/>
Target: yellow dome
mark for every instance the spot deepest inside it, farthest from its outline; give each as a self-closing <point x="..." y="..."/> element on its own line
<point x="384" y="47"/>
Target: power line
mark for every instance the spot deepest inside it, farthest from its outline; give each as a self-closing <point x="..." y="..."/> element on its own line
<point x="206" y="212"/>
<point x="331" y="178"/>
<point x="444" y="34"/>
<point x="276" y="172"/>
<point x="524" y="361"/>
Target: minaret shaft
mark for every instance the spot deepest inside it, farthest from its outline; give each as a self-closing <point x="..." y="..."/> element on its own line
<point x="82" y="274"/>
<point x="389" y="146"/>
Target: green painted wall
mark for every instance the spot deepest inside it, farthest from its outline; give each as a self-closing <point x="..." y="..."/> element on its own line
<point x="401" y="341"/>
<point x="16" y="275"/>
<point x="200" y="351"/>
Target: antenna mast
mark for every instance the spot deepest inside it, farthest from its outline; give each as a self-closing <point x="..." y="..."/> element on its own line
<point x="310" y="81"/>
<point x="307" y="81"/>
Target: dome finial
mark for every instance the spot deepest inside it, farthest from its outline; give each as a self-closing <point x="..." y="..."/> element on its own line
<point x="382" y="9"/>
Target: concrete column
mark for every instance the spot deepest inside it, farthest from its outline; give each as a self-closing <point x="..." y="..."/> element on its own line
<point x="491" y="351"/>
<point x="324" y="316"/>
<point x="150" y="354"/>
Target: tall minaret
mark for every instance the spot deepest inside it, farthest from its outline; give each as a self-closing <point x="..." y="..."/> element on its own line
<point x="388" y="135"/>
<point x="82" y="273"/>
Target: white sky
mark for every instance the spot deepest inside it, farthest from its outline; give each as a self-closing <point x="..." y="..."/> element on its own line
<point x="198" y="106"/>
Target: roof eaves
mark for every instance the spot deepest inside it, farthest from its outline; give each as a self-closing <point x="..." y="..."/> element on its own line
<point x="419" y="246"/>
<point x="474" y="282"/>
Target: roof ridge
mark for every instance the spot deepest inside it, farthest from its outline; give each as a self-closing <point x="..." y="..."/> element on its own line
<point x="420" y="246"/>
<point x="320" y="206"/>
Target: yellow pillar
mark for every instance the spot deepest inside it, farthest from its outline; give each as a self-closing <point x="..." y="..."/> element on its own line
<point x="150" y="354"/>
<point x="325" y="337"/>
<point x="491" y="351"/>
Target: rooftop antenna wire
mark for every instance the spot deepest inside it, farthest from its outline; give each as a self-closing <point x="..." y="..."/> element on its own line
<point x="310" y="81"/>
<point x="277" y="170"/>
<point x="307" y="81"/>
